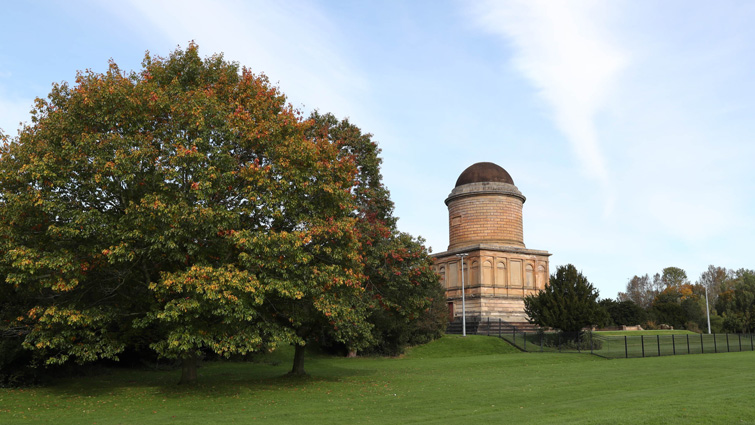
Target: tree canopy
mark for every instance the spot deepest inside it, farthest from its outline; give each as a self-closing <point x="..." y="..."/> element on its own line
<point x="669" y="298"/>
<point x="188" y="207"/>
<point x="736" y="304"/>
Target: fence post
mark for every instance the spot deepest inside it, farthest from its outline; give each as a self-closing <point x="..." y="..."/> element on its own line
<point x="658" y="338"/>
<point x="702" y="346"/>
<point x="499" y="327"/>
<point x="715" y="345"/>
<point x="626" y="348"/>
<point x="688" y="344"/>
<point x="642" y="342"/>
<point x="542" y="334"/>
<point x="740" y="341"/>
<point x="524" y="336"/>
<point x="673" y="343"/>
<point x="487" y="333"/>
<point x="591" y="342"/>
<point x="751" y="344"/>
<point x="728" y="350"/>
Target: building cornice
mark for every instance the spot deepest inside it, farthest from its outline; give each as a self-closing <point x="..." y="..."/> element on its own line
<point x="490" y="247"/>
<point x="485" y="188"/>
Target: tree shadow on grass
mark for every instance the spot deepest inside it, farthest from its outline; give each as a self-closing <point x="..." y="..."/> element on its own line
<point x="216" y="379"/>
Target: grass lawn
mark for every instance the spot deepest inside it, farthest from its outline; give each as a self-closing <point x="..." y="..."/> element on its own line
<point x="454" y="380"/>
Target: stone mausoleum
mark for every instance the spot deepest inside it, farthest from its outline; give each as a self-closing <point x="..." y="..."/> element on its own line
<point x="485" y="223"/>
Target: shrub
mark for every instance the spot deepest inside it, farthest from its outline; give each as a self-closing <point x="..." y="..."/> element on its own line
<point x="581" y="341"/>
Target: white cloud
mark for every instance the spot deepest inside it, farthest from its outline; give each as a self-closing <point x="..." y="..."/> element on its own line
<point x="563" y="48"/>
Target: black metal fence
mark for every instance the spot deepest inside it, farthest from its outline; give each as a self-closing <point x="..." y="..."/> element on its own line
<point x="629" y="346"/>
<point x="542" y="341"/>
<point x="533" y="339"/>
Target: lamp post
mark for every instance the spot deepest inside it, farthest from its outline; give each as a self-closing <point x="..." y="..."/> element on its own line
<point x="707" y="309"/>
<point x="463" y="302"/>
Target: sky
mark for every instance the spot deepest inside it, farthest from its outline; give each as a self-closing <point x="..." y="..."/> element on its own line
<point x="628" y="125"/>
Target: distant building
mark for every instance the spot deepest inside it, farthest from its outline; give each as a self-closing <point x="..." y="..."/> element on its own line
<point x="485" y="222"/>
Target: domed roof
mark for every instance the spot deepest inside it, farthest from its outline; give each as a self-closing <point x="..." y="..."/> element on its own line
<point x="484" y="172"/>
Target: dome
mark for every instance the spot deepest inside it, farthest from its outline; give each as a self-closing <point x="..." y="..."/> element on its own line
<point x="484" y="172"/>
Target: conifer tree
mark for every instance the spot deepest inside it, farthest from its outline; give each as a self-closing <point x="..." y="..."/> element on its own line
<point x="568" y="303"/>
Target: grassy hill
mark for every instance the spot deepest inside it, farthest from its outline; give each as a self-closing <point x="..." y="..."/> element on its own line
<point x="453" y="380"/>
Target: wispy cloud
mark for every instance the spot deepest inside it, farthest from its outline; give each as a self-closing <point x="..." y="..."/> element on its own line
<point x="563" y="48"/>
<point x="294" y="43"/>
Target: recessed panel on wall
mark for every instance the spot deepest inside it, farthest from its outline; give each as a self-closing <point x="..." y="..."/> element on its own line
<point x="452" y="275"/>
<point x="530" y="276"/>
<point x="500" y="275"/>
<point x="515" y="280"/>
<point x="487" y="273"/>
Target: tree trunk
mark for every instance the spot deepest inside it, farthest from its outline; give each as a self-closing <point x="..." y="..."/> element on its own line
<point x="298" y="368"/>
<point x="189" y="370"/>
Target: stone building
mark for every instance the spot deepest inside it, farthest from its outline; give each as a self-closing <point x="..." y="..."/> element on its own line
<point x="485" y="223"/>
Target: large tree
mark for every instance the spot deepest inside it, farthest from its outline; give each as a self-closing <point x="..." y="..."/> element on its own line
<point x="187" y="202"/>
<point x="569" y="302"/>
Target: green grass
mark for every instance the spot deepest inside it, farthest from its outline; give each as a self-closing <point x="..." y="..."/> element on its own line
<point x="453" y="380"/>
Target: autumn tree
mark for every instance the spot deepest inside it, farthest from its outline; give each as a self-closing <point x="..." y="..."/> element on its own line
<point x="569" y="303"/>
<point x="736" y="304"/>
<point x="643" y="289"/>
<point x="680" y="305"/>
<point x="187" y="202"/>
<point x="405" y="300"/>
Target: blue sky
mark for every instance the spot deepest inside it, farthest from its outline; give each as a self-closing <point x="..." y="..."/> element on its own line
<point x="627" y="125"/>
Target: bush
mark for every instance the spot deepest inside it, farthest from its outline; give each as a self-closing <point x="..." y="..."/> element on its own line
<point x="692" y="326"/>
<point x="581" y="341"/>
<point x="624" y="312"/>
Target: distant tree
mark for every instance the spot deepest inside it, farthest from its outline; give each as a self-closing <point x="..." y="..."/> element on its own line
<point x="624" y="312"/>
<point x="680" y="305"/>
<point x="714" y="278"/>
<point x="641" y="290"/>
<point x="669" y="313"/>
<point x="568" y="303"/>
<point x="673" y="276"/>
<point x="737" y="304"/>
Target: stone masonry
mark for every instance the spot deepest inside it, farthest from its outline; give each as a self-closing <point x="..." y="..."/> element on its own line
<point x="485" y="222"/>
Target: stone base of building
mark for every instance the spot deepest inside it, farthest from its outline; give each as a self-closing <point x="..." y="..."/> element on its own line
<point x="496" y="279"/>
<point x="504" y="308"/>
